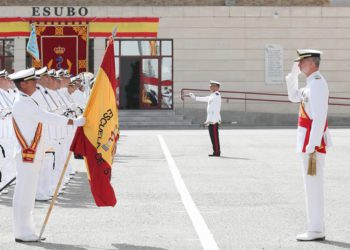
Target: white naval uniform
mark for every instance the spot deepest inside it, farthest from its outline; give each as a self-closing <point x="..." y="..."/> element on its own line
<point x="213" y="118"/>
<point x="66" y="97"/>
<point x="213" y="108"/>
<point x="314" y="97"/>
<point x="7" y="139"/>
<point x="27" y="115"/>
<point x="46" y="172"/>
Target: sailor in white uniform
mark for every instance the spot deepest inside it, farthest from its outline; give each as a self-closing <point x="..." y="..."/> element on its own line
<point x="7" y="141"/>
<point x="49" y="136"/>
<point x="313" y="136"/>
<point x="213" y="115"/>
<point x="28" y="118"/>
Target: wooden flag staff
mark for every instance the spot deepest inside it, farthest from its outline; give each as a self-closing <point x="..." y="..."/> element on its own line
<point x="55" y="195"/>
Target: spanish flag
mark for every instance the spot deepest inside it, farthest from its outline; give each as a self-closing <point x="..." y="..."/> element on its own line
<point x="96" y="141"/>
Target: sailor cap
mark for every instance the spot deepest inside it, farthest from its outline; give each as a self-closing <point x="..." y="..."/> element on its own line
<point x="41" y="72"/>
<point x="24" y="75"/>
<point x="3" y="73"/>
<point x="214" y="82"/>
<point x="306" y="53"/>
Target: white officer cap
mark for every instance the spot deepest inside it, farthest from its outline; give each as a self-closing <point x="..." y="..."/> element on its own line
<point x="3" y="73"/>
<point x="41" y="72"/>
<point x="52" y="73"/>
<point x="24" y="75"/>
<point x="214" y="82"/>
<point x="86" y="77"/>
<point x="59" y="72"/>
<point x="66" y="73"/>
<point x="306" y="53"/>
<point x="74" y="80"/>
<point x="92" y="81"/>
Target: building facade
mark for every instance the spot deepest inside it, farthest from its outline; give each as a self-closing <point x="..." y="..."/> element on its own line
<point x="247" y="48"/>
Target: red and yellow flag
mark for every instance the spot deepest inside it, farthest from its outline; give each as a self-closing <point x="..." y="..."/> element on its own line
<point x="96" y="141"/>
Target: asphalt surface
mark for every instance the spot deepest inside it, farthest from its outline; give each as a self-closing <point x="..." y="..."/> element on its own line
<point x="250" y="198"/>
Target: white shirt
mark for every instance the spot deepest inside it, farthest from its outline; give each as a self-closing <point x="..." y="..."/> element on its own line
<point x="27" y="115"/>
<point x="213" y="108"/>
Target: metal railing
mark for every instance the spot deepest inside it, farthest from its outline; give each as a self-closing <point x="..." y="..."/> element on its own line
<point x="254" y="96"/>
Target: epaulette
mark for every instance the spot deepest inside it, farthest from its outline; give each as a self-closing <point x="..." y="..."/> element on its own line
<point x="217" y="93"/>
<point x="317" y="77"/>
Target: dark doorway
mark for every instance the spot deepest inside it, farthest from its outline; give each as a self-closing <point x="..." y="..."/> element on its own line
<point x="130" y="83"/>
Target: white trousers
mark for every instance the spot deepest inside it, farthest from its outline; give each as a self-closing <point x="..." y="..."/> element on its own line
<point x="45" y="177"/>
<point x="314" y="193"/>
<point x="24" y="197"/>
<point x="9" y="164"/>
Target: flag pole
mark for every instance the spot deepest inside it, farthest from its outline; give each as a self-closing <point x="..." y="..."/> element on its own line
<point x="55" y="195"/>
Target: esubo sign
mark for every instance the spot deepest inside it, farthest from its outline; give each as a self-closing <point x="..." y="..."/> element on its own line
<point x="59" y="11"/>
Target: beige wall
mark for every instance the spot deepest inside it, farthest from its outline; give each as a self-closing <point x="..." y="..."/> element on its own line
<point x="227" y="44"/>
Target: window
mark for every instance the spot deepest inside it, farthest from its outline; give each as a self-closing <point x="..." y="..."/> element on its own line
<point x="7" y="47"/>
<point x="153" y="83"/>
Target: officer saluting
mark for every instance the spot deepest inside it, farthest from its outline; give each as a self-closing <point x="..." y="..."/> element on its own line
<point x="313" y="136"/>
<point x="28" y="118"/>
<point x="213" y="114"/>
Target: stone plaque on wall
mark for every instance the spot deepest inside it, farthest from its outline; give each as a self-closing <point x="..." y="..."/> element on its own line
<point x="274" y="64"/>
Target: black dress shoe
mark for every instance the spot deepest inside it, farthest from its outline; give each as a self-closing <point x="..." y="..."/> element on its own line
<point x="28" y="241"/>
<point x="214" y="155"/>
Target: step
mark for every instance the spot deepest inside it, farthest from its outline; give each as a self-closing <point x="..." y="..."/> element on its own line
<point x="155" y="123"/>
<point x="151" y="118"/>
<point x="146" y="113"/>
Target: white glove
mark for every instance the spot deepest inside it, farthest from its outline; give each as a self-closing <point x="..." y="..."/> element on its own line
<point x="309" y="149"/>
<point x="295" y="70"/>
<point x="192" y="95"/>
<point x="79" y="122"/>
<point x="289" y="78"/>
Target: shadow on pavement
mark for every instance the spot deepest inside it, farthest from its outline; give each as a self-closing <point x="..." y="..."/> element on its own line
<point x="336" y="243"/>
<point x="133" y="247"/>
<point x="46" y="245"/>
<point x="77" y="195"/>
<point x="235" y="158"/>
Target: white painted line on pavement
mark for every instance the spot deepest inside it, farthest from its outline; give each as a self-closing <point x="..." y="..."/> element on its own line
<point x="205" y="236"/>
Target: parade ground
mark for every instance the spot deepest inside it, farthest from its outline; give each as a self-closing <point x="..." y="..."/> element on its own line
<point x="171" y="195"/>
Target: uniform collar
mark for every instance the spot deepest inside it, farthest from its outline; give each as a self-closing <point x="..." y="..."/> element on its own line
<point x="22" y="94"/>
<point x="313" y="75"/>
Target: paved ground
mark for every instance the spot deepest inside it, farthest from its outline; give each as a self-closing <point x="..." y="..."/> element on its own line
<point x="251" y="198"/>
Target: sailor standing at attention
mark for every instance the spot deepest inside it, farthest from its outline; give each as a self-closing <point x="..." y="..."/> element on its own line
<point x="313" y="136"/>
<point x="213" y="114"/>
<point x="28" y="119"/>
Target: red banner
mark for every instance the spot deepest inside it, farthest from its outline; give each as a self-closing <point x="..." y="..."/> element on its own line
<point x="63" y="47"/>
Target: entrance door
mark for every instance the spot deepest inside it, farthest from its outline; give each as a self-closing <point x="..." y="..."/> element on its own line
<point x="129" y="92"/>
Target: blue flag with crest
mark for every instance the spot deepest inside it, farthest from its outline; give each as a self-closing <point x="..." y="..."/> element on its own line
<point x="32" y="46"/>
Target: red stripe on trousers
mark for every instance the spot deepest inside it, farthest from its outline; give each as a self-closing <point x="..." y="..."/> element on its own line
<point x="216" y="143"/>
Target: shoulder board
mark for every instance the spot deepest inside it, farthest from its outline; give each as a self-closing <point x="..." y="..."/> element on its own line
<point x="317" y="77"/>
<point x="217" y="93"/>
